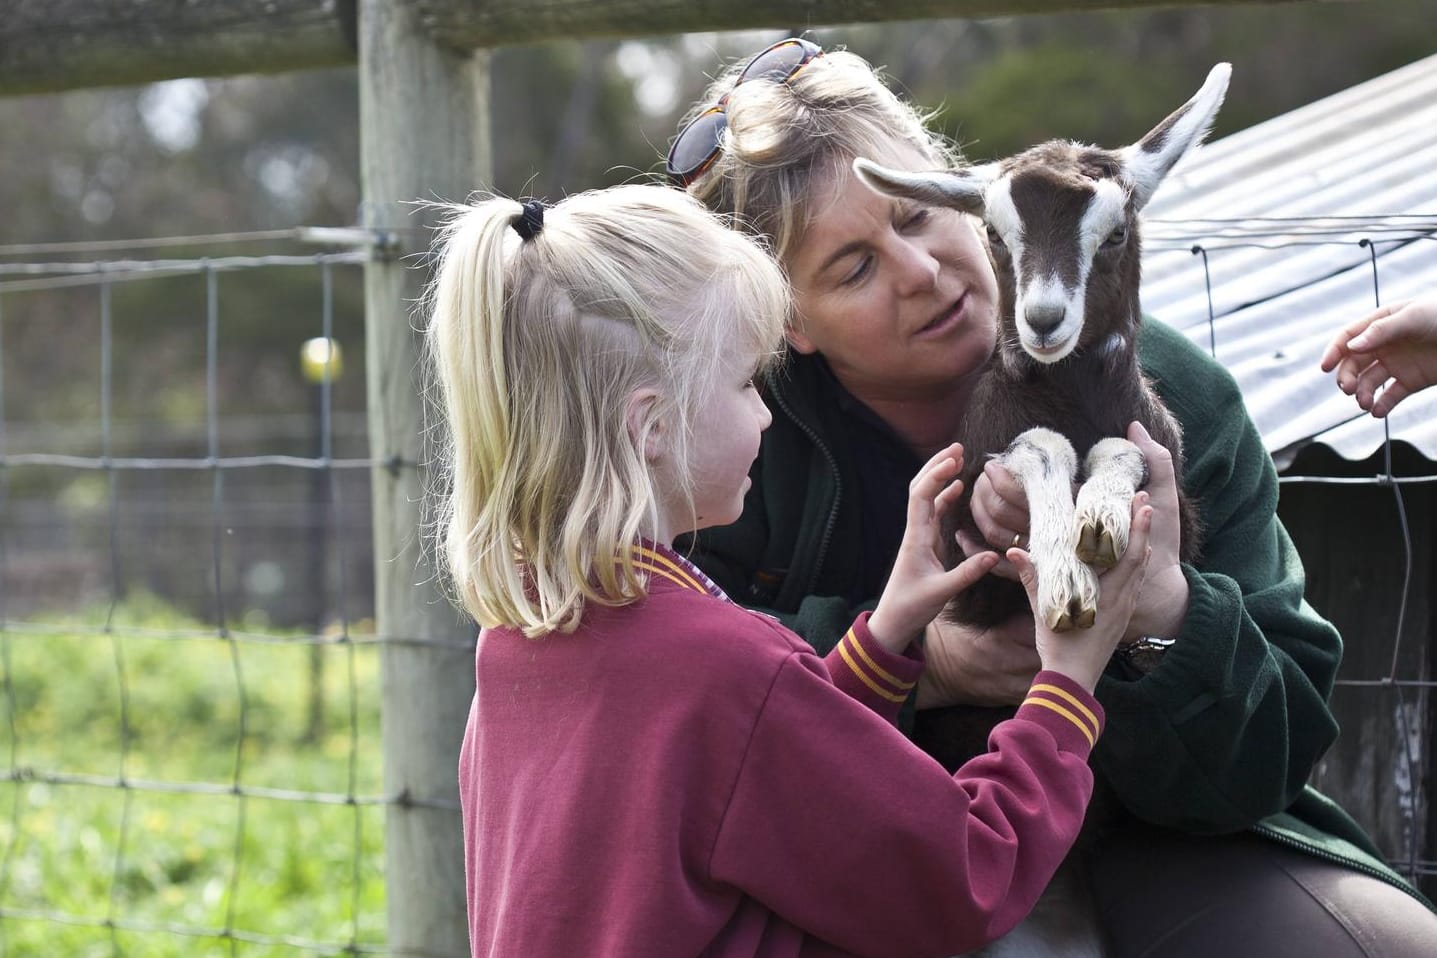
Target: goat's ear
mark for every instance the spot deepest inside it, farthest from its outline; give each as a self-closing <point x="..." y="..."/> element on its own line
<point x="959" y="190"/>
<point x="1149" y="160"/>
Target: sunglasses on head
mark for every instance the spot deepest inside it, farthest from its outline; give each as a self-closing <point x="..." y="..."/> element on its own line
<point x="699" y="142"/>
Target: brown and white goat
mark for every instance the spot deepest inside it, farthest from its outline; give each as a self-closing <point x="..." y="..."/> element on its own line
<point x="1062" y="221"/>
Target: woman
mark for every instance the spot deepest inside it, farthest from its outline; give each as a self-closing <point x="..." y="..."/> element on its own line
<point x="1218" y="705"/>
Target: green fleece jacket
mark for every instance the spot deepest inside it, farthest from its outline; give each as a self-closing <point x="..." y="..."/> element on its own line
<point x="1223" y="734"/>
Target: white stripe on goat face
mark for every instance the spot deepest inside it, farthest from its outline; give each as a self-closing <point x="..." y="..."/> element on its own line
<point x="1051" y="284"/>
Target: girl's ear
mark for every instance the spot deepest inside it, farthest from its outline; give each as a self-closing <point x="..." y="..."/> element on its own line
<point x="801" y="344"/>
<point x="644" y="424"/>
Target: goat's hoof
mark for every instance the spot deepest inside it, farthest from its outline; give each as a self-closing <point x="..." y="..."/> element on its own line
<point x="1075" y="616"/>
<point x="1067" y="595"/>
<point x="1096" y="546"/>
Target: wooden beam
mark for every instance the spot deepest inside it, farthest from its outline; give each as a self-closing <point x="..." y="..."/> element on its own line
<point x="50" y="45"/>
<point x="475" y="23"/>
<point x="424" y="132"/>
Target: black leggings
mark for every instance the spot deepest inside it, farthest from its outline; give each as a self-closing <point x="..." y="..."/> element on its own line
<point x="1164" y="894"/>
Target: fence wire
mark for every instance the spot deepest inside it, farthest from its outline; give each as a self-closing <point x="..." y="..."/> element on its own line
<point x="227" y="922"/>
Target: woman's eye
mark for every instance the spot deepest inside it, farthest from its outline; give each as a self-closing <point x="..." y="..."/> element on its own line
<point x="994" y="240"/>
<point x="859" y="272"/>
<point x="1117" y="237"/>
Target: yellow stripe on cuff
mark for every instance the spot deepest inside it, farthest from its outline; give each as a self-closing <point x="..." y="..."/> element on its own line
<point x="1087" y="732"/>
<point x="852" y="665"/>
<point x="852" y="638"/>
<point x="1070" y="698"/>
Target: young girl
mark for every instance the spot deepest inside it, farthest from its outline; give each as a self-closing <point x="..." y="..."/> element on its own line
<point x="632" y="778"/>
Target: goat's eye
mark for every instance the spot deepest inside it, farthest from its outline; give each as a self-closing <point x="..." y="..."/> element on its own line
<point x="1117" y="237"/>
<point x="994" y="240"/>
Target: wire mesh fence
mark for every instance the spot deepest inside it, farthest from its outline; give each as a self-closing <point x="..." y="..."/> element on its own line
<point x="188" y="663"/>
<point x="192" y="755"/>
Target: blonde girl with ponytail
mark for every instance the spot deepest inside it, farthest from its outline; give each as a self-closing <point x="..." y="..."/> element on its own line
<point x="632" y="778"/>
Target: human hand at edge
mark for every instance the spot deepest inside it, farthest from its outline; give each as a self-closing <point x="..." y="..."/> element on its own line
<point x="1392" y="349"/>
<point x="1082" y="654"/>
<point x="970" y="665"/>
<point x="919" y="585"/>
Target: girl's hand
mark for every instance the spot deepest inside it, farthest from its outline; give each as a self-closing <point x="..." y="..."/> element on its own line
<point x="1081" y="654"/>
<point x="919" y="586"/>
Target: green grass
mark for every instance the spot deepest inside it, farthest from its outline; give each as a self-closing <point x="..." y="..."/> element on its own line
<point x="79" y="701"/>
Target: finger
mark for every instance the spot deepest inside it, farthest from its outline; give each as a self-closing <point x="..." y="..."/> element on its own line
<point x="1350" y="370"/>
<point x="925" y="488"/>
<point x="1135" y="559"/>
<point x="1342" y="343"/>
<point x="948" y="496"/>
<point x="1006" y="485"/>
<point x="967" y="544"/>
<point x="953" y="451"/>
<point x="1371" y="380"/>
<point x="969" y="571"/>
<point x="1162" y="475"/>
<point x="1027" y="574"/>
<point x="998" y="516"/>
<point x="1390" y="397"/>
<point x="1378" y="332"/>
<point x="1351" y="338"/>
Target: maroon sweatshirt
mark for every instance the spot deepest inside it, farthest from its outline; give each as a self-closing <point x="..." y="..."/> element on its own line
<point x="644" y="787"/>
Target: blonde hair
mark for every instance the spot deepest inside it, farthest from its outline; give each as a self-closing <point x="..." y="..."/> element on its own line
<point x="782" y="136"/>
<point x="536" y="347"/>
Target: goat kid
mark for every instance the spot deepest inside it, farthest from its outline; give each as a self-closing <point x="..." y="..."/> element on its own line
<point x="1062" y="222"/>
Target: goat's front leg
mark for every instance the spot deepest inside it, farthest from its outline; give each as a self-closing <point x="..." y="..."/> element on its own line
<point x="1046" y="465"/>
<point x="1115" y="470"/>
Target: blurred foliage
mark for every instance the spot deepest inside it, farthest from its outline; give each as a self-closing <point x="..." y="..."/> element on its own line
<point x="255" y="153"/>
<point x="163" y="698"/>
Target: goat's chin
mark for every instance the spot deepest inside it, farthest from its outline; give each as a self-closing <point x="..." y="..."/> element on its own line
<point x="1047" y="355"/>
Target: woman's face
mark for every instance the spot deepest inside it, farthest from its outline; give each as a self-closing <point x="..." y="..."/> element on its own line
<point x="899" y="298"/>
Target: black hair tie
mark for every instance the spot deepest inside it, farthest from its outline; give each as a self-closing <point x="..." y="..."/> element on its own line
<point x="531" y="221"/>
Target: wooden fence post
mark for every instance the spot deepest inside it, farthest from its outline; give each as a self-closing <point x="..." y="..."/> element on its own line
<point x="424" y="134"/>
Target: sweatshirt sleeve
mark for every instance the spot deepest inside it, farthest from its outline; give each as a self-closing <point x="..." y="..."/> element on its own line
<point x="914" y="862"/>
<point x="870" y="674"/>
<point x="1229" y="726"/>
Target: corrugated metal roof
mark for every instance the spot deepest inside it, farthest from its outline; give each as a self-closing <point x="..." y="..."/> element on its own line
<point x="1280" y="212"/>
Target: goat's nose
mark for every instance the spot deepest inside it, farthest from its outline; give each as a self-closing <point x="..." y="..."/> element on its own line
<point x="1044" y="319"/>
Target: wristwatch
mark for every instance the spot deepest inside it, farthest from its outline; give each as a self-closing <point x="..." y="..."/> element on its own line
<point x="1144" y="655"/>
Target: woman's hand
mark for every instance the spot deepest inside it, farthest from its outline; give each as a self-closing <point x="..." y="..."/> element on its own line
<point x="970" y="665"/>
<point x="1081" y="654"/>
<point x="999" y="507"/>
<point x="1163" y="607"/>
<point x="919" y="585"/>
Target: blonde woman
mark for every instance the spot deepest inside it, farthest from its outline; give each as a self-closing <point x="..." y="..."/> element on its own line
<point x="1218" y="695"/>
<point x="635" y="778"/>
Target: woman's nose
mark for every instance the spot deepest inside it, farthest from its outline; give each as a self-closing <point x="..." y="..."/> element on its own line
<point x="917" y="268"/>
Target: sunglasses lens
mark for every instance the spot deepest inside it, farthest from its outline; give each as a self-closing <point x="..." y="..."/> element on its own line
<point x="780" y="61"/>
<point x="696" y="145"/>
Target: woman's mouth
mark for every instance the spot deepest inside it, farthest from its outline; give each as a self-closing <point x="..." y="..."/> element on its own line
<point x="945" y="320"/>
